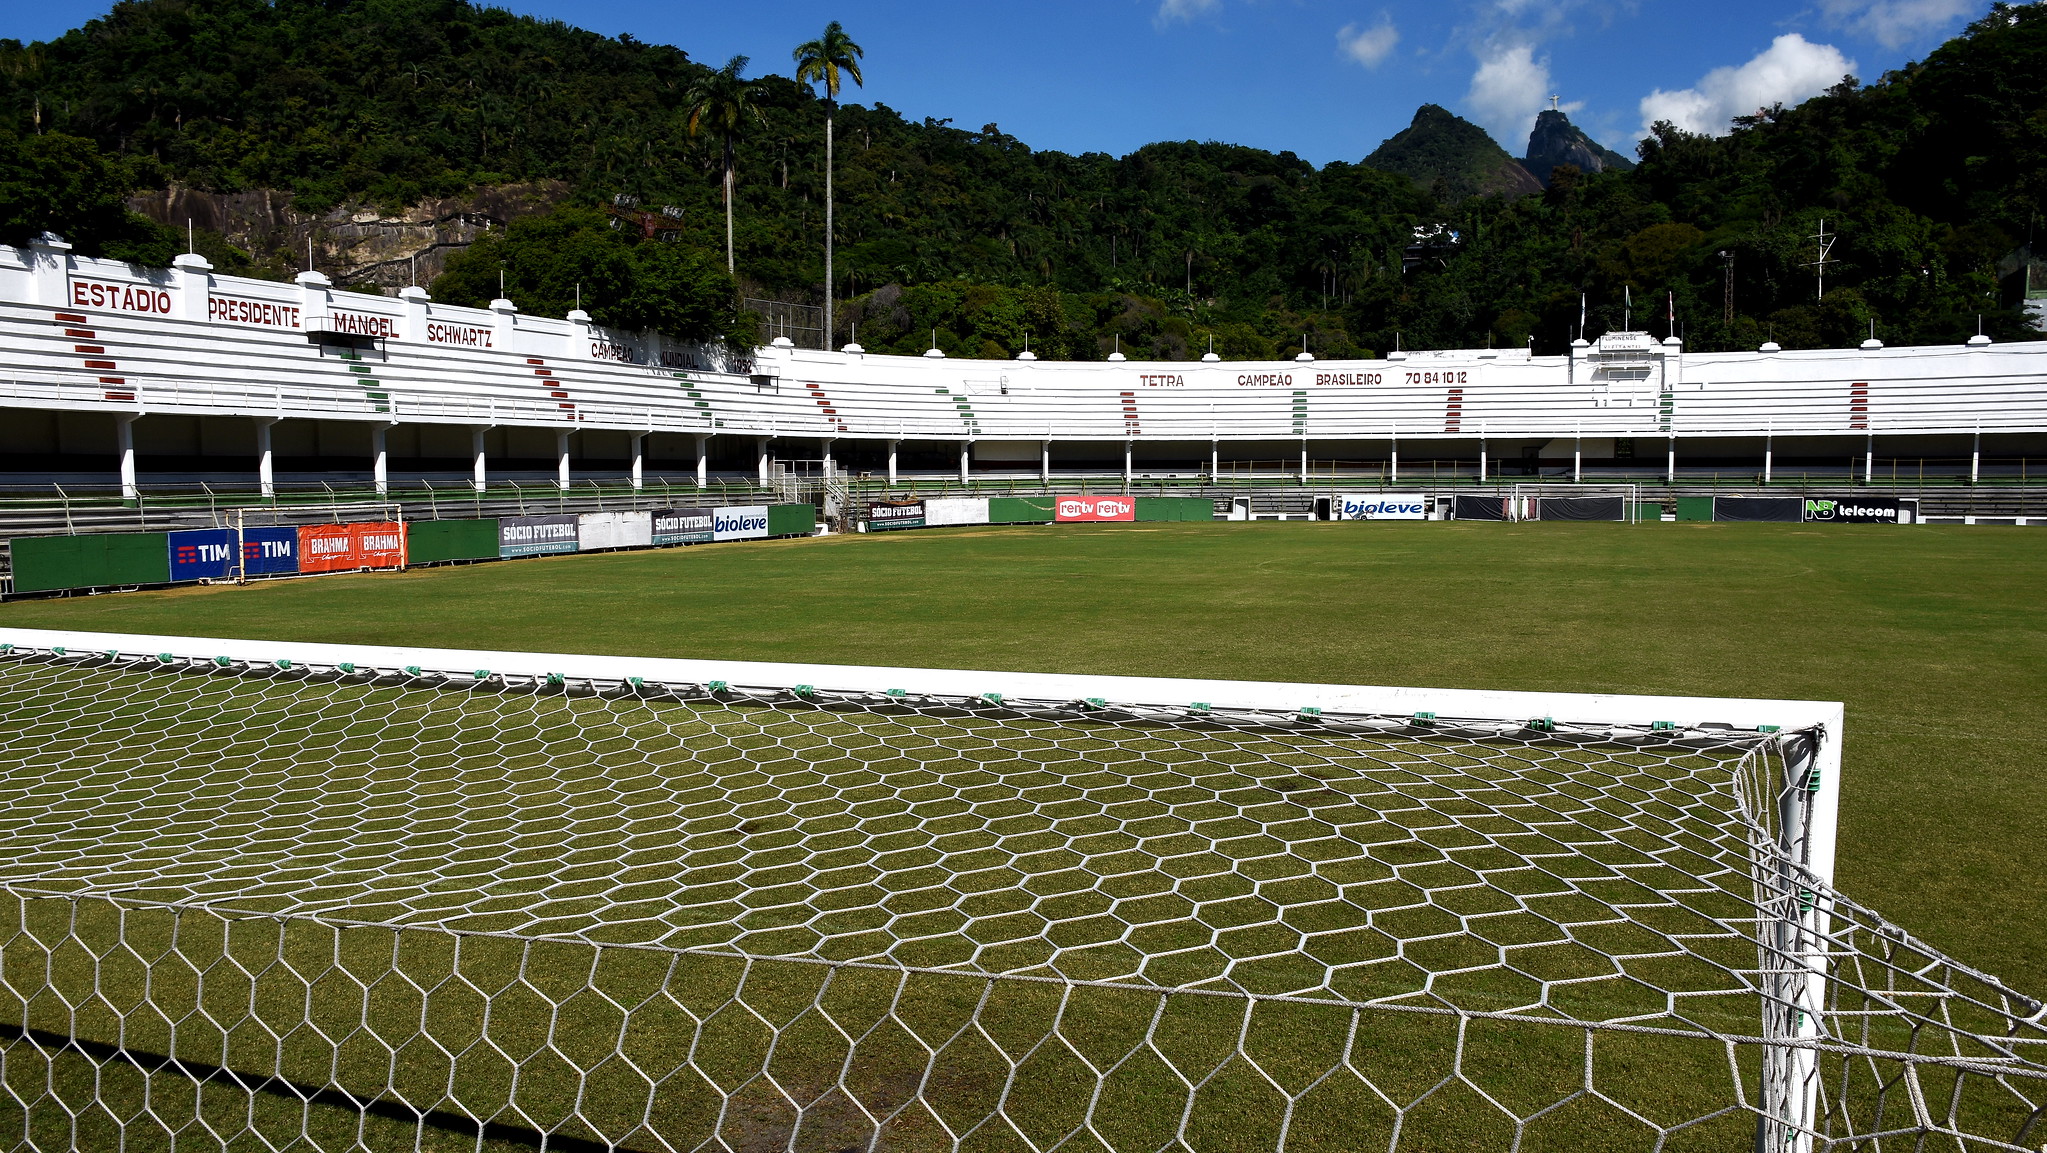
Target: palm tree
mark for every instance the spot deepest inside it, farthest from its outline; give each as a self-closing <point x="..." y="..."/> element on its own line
<point x="722" y="102"/>
<point x="823" y="60"/>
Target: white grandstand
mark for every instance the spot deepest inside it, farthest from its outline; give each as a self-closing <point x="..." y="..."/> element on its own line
<point x="102" y="357"/>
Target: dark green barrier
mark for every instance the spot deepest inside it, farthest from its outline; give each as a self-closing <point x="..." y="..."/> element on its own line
<point x="1175" y="508"/>
<point x="792" y="519"/>
<point x="1019" y="510"/>
<point x="1652" y="511"/>
<point x="427" y="541"/>
<point x="1695" y="508"/>
<point x="95" y="560"/>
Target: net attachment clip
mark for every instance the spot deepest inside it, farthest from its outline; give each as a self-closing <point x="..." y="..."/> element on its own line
<point x="1543" y="724"/>
<point x="1424" y="720"/>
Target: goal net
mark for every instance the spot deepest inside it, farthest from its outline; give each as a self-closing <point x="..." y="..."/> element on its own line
<point x="270" y="895"/>
<point x="1575" y="502"/>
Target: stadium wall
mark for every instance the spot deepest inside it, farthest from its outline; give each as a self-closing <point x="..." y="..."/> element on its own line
<point x="106" y="362"/>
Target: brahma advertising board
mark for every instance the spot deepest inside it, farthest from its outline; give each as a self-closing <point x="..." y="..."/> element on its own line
<point x="340" y="547"/>
<point x="1094" y="508"/>
<point x="740" y="522"/>
<point x="1383" y="506"/>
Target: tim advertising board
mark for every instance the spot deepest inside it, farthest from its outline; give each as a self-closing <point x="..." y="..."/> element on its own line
<point x="270" y="551"/>
<point x="202" y="554"/>
<point x="683" y="525"/>
<point x="1082" y="508"/>
<point x="882" y="517"/>
<point x="1383" y="506"/>
<point x="340" y="547"/>
<point x="537" y="535"/>
<point x="741" y="522"/>
<point x="1857" y="510"/>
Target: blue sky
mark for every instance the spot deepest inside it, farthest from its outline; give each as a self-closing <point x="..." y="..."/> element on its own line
<point x="1327" y="79"/>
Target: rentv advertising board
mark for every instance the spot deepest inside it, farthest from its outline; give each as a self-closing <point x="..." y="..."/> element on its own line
<point x="1382" y="506"/>
<point x="1094" y="508"/>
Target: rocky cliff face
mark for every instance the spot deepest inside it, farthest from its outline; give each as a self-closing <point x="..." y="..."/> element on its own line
<point x="1452" y="157"/>
<point x="1558" y="141"/>
<point x="353" y="244"/>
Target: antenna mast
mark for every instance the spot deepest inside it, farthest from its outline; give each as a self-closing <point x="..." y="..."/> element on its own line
<point x="1826" y="245"/>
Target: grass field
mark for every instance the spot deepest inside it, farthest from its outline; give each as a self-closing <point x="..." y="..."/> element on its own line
<point x="1935" y="637"/>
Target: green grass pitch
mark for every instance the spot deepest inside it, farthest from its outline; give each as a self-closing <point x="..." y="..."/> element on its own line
<point x="1935" y="637"/>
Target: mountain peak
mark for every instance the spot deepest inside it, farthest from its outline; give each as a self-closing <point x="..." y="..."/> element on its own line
<point x="1556" y="140"/>
<point x="1442" y="151"/>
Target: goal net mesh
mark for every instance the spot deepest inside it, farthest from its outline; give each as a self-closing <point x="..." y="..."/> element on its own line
<point x="253" y="906"/>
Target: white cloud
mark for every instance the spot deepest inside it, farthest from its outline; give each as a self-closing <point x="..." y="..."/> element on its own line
<point x="1896" y="23"/>
<point x="1171" y="10"/>
<point x="1508" y="89"/>
<point x="1368" y="46"/>
<point x="1789" y="70"/>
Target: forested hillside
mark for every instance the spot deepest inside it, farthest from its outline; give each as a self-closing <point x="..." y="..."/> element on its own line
<point x="1930" y="176"/>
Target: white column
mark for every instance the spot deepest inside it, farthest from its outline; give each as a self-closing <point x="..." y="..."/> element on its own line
<point x="1126" y="463"/>
<point x="1578" y="460"/>
<point x="761" y="443"/>
<point x="476" y="449"/>
<point x="703" y="459"/>
<point x="1215" y="459"/>
<point x="965" y="447"/>
<point x="1045" y="462"/>
<point x="1304" y="461"/>
<point x="639" y="460"/>
<point x="380" y="458"/>
<point x="1393" y="472"/>
<point x="892" y="460"/>
<point x="266" y="464"/>
<point x="1481" y="460"/>
<point x="825" y="446"/>
<point x="124" y="442"/>
<point x="1670" y="464"/>
<point x="1769" y="459"/>
<point x="1869" y="461"/>
<point x="561" y="457"/>
<point x="1976" y="458"/>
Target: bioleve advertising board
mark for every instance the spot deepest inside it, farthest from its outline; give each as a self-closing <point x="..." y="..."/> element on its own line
<point x="1094" y="508"/>
<point x="270" y="551"/>
<point x="683" y="525"/>
<point x="1857" y="510"/>
<point x="202" y="554"/>
<point x="896" y="514"/>
<point x="740" y="522"/>
<point x="538" y="535"/>
<point x="1382" y="506"/>
<point x="340" y="547"/>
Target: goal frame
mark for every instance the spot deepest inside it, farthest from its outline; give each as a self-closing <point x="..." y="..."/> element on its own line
<point x="1807" y="832"/>
<point x="1522" y="499"/>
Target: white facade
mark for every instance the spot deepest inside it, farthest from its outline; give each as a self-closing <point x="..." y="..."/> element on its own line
<point x="93" y="335"/>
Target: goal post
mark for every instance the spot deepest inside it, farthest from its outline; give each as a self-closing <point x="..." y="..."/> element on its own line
<point x="265" y="892"/>
<point x="1574" y="501"/>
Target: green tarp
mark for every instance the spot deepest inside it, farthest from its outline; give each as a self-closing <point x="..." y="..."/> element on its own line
<point x="792" y="519"/>
<point x="95" y="560"/>
<point x="427" y="541"/>
<point x="1175" y="508"/>
<point x="1019" y="510"/>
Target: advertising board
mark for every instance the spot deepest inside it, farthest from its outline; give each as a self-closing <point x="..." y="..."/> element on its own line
<point x="270" y="551"/>
<point x="202" y="554"/>
<point x="898" y="514"/>
<point x="682" y="525"/>
<point x="1857" y="510"/>
<point x="597" y="530"/>
<point x="340" y="547"/>
<point x="1382" y="506"/>
<point x="538" y="535"/>
<point x="1094" y="508"/>
<point x="956" y="510"/>
<point x="740" y="522"/>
